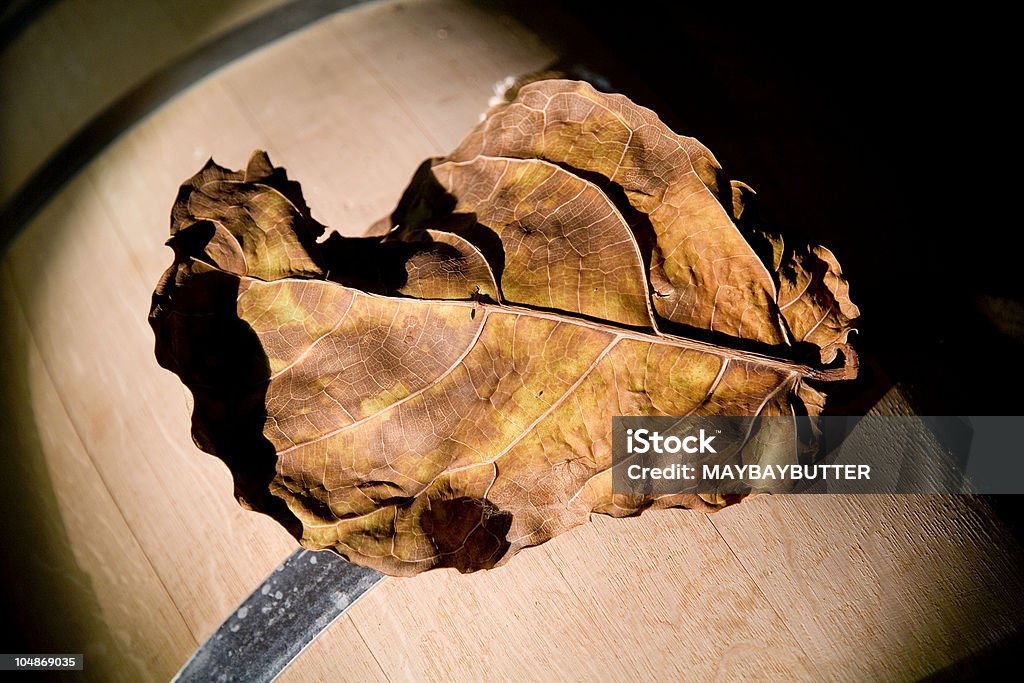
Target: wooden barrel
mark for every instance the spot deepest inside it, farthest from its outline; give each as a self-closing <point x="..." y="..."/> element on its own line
<point x="124" y="541"/>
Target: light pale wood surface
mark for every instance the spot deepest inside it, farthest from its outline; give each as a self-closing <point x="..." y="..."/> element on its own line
<point x="79" y="56"/>
<point x="842" y="588"/>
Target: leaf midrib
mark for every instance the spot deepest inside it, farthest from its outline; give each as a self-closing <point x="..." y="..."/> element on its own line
<point x="654" y="337"/>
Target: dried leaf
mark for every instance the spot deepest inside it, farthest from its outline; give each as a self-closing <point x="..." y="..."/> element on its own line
<point x="442" y="395"/>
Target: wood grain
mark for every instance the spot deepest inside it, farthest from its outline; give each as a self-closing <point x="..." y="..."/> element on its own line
<point x="844" y="588"/>
<point x="137" y="627"/>
<point x="877" y="587"/>
<point x="607" y="602"/>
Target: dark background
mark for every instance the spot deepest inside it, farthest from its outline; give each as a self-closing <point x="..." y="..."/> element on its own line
<point x="877" y="134"/>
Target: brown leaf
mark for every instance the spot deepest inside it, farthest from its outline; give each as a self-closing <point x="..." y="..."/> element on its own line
<point x="442" y="395"/>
